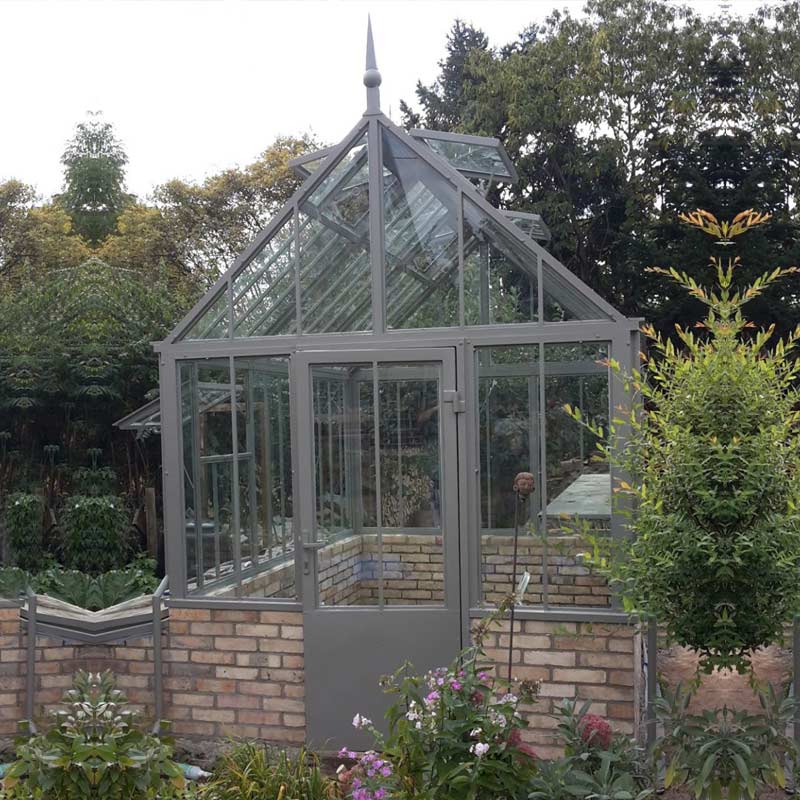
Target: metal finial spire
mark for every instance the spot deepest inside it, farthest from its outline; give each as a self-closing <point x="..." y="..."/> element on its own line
<point x="372" y="78"/>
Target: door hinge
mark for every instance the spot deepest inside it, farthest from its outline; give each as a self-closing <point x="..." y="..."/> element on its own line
<point x="457" y="400"/>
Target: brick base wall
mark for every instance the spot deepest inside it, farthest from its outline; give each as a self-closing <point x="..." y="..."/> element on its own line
<point x="241" y="673"/>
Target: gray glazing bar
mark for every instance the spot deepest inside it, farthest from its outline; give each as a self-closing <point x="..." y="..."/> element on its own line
<point x="30" y="677"/>
<point x="543" y="477"/>
<point x="235" y="488"/>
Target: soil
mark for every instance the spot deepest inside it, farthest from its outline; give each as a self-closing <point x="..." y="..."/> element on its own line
<point x="772" y="665"/>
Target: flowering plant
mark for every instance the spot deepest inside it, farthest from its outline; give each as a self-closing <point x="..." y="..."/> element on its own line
<point x="454" y="732"/>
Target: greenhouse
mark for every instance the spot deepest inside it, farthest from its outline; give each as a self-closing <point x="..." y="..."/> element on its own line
<point x="343" y="414"/>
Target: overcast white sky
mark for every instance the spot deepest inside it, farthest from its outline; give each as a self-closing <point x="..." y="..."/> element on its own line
<point x="194" y="87"/>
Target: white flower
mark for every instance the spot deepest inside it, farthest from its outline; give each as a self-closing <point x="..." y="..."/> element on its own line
<point x="479" y="749"/>
<point x="509" y="698"/>
<point x="497" y="718"/>
<point x="475" y="733"/>
<point x="361" y="722"/>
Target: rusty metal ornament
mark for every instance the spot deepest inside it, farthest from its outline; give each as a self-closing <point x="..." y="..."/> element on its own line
<point x="524" y="484"/>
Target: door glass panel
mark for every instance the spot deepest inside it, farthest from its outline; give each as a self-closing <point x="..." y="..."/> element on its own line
<point x="378" y="481"/>
<point x="343" y="452"/>
<point x="410" y="484"/>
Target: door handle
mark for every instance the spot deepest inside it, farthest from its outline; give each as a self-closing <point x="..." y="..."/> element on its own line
<point x="308" y="549"/>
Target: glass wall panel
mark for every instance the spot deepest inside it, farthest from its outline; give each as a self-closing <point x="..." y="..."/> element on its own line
<point x="499" y="272"/>
<point x="208" y="471"/>
<point x="508" y="408"/>
<point x="421" y="240"/>
<point x="265" y="477"/>
<point x="578" y="480"/>
<point x="237" y="477"/>
<point x="334" y="260"/>
<point x="264" y="297"/>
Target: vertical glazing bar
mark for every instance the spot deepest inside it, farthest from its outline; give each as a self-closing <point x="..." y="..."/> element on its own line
<point x="316" y="383"/>
<point x="376" y="231"/>
<point x="215" y="506"/>
<point x="539" y="289"/>
<point x="485" y="300"/>
<point x="229" y="290"/>
<point x="330" y="454"/>
<point x="250" y="438"/>
<point x="235" y="490"/>
<point x="281" y="466"/>
<point x="200" y="490"/>
<point x="340" y="450"/>
<point x="30" y="678"/>
<point x="400" y="499"/>
<point x="581" y="441"/>
<point x="533" y="500"/>
<point x="268" y="489"/>
<point x="488" y="461"/>
<point x="378" y="489"/>
<point x="296" y="258"/>
<point x="461" y="296"/>
<point x="543" y="477"/>
<point x="173" y="458"/>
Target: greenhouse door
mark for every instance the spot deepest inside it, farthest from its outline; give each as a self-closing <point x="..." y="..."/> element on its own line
<point x="378" y="465"/>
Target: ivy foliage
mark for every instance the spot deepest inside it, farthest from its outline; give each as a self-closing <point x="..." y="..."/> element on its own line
<point x="715" y="465"/>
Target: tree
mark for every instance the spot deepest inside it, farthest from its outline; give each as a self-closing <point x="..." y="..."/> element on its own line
<point x="94" y="180"/>
<point x="620" y="119"/>
<point x="212" y="222"/>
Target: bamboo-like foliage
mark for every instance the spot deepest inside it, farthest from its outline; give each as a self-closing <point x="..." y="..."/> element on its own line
<point x="712" y="459"/>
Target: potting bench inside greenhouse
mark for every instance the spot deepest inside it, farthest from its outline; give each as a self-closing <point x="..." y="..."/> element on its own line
<point x="344" y="412"/>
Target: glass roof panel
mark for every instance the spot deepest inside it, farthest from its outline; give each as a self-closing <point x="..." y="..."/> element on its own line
<point x="475" y="156"/>
<point x="213" y="324"/>
<point x="530" y="224"/>
<point x="421" y="240"/>
<point x="264" y="302"/>
<point x="499" y="272"/>
<point x="333" y="254"/>
<point x="564" y="300"/>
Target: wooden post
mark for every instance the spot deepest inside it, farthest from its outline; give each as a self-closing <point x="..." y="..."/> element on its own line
<point x="151" y="522"/>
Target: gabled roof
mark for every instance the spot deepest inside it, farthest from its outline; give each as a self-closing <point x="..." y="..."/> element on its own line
<point x="385" y="196"/>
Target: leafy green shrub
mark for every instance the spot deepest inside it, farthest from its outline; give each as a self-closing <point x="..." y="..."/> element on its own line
<point x="255" y="770"/>
<point x="454" y="732"/>
<point x="715" y="466"/>
<point x="94" y="751"/>
<point x="24" y="515"/>
<point x="723" y="750"/>
<point x="96" y="532"/>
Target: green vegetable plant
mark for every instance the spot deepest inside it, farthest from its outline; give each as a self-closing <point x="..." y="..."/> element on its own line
<point x="91" y="592"/>
<point x="24" y="524"/>
<point x="95" y="750"/>
<point x="253" y="770"/>
<point x="724" y="752"/>
<point x="96" y="533"/>
<point x="712" y="460"/>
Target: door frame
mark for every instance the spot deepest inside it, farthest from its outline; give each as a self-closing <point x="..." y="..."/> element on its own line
<point x="325" y="624"/>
